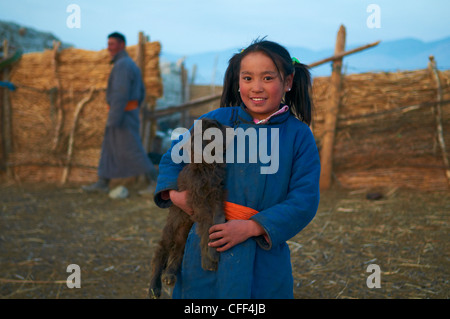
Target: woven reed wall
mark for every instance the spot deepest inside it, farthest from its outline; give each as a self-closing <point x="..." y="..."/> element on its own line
<point x="44" y="108"/>
<point x="379" y="142"/>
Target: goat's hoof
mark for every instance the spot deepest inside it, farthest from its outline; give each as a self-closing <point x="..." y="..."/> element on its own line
<point x="210" y="260"/>
<point x="169" y="279"/>
<point x="154" y="293"/>
<point x="208" y="264"/>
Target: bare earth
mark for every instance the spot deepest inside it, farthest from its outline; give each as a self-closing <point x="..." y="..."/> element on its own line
<point x="45" y="228"/>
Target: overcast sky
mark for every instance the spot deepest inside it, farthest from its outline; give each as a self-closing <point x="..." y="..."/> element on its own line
<point x="192" y="26"/>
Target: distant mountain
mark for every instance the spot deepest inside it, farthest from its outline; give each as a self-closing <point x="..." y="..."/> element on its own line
<point x="27" y="39"/>
<point x="388" y="56"/>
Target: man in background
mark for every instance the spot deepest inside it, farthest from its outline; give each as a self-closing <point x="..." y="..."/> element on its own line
<point x="122" y="152"/>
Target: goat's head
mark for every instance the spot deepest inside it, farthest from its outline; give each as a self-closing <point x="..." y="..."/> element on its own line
<point x="208" y="137"/>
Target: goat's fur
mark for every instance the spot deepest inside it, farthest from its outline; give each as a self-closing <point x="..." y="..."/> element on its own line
<point x="204" y="183"/>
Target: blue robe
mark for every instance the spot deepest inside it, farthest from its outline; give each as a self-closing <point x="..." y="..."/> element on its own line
<point x="122" y="152"/>
<point x="286" y="201"/>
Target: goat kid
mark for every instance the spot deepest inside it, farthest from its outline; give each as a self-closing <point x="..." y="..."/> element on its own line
<point x="204" y="183"/>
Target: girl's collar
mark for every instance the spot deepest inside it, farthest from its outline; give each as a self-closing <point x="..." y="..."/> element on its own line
<point x="276" y="117"/>
<point x="282" y="109"/>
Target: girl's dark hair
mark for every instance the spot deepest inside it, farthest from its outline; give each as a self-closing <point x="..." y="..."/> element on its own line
<point x="298" y="98"/>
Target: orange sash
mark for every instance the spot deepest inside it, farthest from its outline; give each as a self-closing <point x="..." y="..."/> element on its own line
<point x="131" y="105"/>
<point x="236" y="211"/>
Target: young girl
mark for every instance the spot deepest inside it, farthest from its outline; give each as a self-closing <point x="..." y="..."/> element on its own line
<point x="263" y="88"/>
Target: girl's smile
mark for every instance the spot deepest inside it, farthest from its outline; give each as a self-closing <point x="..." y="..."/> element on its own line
<point x="261" y="85"/>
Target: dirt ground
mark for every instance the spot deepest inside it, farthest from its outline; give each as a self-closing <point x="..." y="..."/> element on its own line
<point x="45" y="228"/>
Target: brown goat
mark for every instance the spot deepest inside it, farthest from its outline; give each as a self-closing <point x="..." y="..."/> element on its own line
<point x="204" y="183"/>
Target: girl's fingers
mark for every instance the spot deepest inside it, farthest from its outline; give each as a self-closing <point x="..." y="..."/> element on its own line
<point x="221" y="245"/>
<point x="215" y="235"/>
<point x="216" y="228"/>
<point x="232" y="233"/>
<point x="217" y="243"/>
<point x="224" y="248"/>
<point x="212" y="230"/>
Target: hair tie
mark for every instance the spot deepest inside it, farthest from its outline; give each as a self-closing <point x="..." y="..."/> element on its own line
<point x="295" y="60"/>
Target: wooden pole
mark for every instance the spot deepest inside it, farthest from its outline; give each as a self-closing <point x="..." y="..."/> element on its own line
<point x="182" y="107"/>
<point x="193" y="74"/>
<point x="77" y="112"/>
<point x="343" y="54"/>
<point x="438" y="115"/>
<point x="7" y="117"/>
<point x="151" y="125"/>
<point x="140" y="58"/>
<point x="146" y="126"/>
<point x="213" y="80"/>
<point x="326" y="155"/>
<point x="59" y="106"/>
<point x="140" y="61"/>
<point x="185" y="115"/>
<point x="185" y="94"/>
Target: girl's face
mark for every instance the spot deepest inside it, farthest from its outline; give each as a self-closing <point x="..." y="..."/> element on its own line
<point x="261" y="86"/>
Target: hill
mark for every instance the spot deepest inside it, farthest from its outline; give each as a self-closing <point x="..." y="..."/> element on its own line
<point x="389" y="56"/>
<point x="26" y="38"/>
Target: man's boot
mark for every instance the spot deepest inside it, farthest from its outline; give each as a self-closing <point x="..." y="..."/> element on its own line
<point x="100" y="186"/>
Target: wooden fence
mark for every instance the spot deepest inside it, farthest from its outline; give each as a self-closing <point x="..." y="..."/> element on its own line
<point x="373" y="130"/>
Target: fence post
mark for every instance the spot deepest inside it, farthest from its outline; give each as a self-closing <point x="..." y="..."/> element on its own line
<point x="326" y="154"/>
<point x="76" y="114"/>
<point x="438" y="114"/>
<point x="6" y="112"/>
<point x="59" y="96"/>
<point x="140" y="62"/>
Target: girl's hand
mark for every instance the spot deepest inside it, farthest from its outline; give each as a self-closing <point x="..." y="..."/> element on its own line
<point x="180" y="199"/>
<point x="232" y="233"/>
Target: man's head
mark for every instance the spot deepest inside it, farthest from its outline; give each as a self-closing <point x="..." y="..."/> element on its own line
<point x="116" y="43"/>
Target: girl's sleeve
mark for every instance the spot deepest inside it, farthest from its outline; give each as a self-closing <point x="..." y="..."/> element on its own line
<point x="286" y="219"/>
<point x="167" y="177"/>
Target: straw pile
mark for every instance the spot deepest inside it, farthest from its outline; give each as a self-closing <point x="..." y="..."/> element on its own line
<point x="386" y="135"/>
<point x="59" y="111"/>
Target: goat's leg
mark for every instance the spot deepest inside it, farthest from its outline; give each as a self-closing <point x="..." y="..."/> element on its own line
<point x="175" y="258"/>
<point x="219" y="214"/>
<point x="210" y="256"/>
<point x="158" y="264"/>
<point x="163" y="250"/>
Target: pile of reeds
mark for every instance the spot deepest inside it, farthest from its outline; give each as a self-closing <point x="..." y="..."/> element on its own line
<point x="59" y="111"/>
<point x="386" y="130"/>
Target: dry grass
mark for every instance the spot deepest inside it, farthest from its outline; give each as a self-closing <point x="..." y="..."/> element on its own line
<point x="44" y="228"/>
<point x="405" y="234"/>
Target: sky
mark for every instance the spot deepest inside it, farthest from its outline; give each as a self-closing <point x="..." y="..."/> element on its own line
<point x="195" y="26"/>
